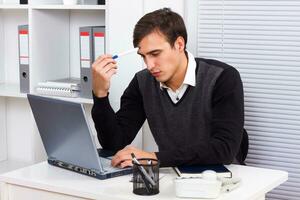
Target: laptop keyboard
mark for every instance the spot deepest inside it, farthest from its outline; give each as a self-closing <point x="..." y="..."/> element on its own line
<point x="106" y="163"/>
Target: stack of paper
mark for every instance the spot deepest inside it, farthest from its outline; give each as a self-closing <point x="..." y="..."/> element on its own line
<point x="67" y="87"/>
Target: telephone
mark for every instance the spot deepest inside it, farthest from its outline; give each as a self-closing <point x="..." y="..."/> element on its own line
<point x="209" y="186"/>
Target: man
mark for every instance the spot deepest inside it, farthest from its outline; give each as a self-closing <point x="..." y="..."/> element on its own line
<point x="194" y="107"/>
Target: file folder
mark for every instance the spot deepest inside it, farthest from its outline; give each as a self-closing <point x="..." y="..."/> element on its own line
<point x="98" y="41"/>
<point x="92" y="45"/>
<point x="24" y="58"/>
<point x="89" y="2"/>
<point x="86" y="60"/>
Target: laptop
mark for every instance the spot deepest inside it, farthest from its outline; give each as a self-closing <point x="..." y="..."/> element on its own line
<point x="68" y="140"/>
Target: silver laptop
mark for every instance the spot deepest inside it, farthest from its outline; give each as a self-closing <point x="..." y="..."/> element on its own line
<point x="68" y="140"/>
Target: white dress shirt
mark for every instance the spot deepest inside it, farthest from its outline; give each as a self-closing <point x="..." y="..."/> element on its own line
<point x="189" y="80"/>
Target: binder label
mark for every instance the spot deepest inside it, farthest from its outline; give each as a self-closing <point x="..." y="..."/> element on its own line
<point x="85" y="56"/>
<point x="99" y="44"/>
<point x="24" y="47"/>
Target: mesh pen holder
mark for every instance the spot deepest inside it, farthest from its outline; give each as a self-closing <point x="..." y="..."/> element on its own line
<point x="146" y="177"/>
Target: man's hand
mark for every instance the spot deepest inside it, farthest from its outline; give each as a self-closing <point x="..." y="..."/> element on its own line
<point x="102" y="69"/>
<point x="123" y="157"/>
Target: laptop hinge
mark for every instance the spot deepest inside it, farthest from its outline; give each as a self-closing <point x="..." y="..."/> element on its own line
<point x="52" y="159"/>
<point x="96" y="171"/>
<point x="90" y="172"/>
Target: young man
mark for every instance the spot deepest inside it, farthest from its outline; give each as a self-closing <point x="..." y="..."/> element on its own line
<point x="194" y="106"/>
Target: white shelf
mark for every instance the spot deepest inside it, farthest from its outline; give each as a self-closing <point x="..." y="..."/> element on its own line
<point x="69" y="7"/>
<point x="55" y="53"/>
<point x="11" y="90"/>
<point x="10" y="165"/>
<point x="54" y="7"/>
<point x="78" y="100"/>
<point x="73" y="99"/>
<point x="11" y="6"/>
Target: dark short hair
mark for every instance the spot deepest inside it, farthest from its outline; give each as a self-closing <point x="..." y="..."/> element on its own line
<point x="165" y="21"/>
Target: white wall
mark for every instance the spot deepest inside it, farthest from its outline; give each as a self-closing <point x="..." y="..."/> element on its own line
<point x="20" y="130"/>
<point x="1" y="47"/>
<point x="3" y="148"/>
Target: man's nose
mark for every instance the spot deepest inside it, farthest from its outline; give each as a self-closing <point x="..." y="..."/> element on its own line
<point x="149" y="63"/>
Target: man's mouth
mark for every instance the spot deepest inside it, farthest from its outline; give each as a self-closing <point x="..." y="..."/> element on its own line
<point x="155" y="74"/>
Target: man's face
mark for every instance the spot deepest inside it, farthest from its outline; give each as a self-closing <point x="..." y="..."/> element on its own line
<point x="161" y="59"/>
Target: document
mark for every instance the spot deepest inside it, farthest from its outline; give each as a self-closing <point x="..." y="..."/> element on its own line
<point x="67" y="87"/>
<point x="195" y="171"/>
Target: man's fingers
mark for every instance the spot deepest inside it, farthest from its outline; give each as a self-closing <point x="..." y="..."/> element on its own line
<point x="101" y="58"/>
<point x="108" y="67"/>
<point x="99" y="65"/>
<point x="120" y="156"/>
<point x="126" y="163"/>
<point x="111" y="72"/>
<point x="123" y="157"/>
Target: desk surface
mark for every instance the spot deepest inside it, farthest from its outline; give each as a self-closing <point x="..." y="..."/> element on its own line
<point x="256" y="182"/>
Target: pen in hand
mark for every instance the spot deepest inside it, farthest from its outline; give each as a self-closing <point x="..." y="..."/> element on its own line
<point x="124" y="53"/>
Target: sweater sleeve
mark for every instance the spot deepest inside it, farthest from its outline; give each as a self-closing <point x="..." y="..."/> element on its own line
<point x="116" y="130"/>
<point x="226" y="127"/>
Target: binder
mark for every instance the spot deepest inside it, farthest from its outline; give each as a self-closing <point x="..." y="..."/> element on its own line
<point x="92" y="45"/>
<point x="89" y="2"/>
<point x="99" y="41"/>
<point x="24" y="58"/>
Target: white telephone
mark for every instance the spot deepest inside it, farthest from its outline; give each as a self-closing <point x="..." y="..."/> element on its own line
<point x="209" y="186"/>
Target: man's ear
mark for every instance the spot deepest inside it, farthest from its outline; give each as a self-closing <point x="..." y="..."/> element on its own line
<point x="179" y="43"/>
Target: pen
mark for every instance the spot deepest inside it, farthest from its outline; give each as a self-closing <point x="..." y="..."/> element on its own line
<point x="147" y="185"/>
<point x="150" y="169"/>
<point x="230" y="187"/>
<point x="142" y="170"/>
<point x="124" y="53"/>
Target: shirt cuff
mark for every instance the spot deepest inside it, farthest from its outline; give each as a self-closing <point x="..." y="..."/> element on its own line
<point x="101" y="101"/>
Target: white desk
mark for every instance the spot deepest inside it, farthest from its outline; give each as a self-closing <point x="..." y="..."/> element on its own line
<point x="42" y="181"/>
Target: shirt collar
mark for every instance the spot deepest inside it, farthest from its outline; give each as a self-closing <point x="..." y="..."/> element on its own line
<point x="190" y="75"/>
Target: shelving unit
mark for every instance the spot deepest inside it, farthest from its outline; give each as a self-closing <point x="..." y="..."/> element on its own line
<point x="11" y="90"/>
<point x="52" y="26"/>
<point x="54" y="53"/>
<point x="8" y="165"/>
<point x="69" y="7"/>
<point x="11" y="6"/>
<point x="10" y="17"/>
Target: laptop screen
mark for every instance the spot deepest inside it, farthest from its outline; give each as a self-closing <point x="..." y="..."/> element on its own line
<point x="64" y="131"/>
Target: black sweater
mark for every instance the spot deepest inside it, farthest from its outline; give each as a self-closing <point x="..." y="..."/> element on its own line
<point x="204" y="127"/>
